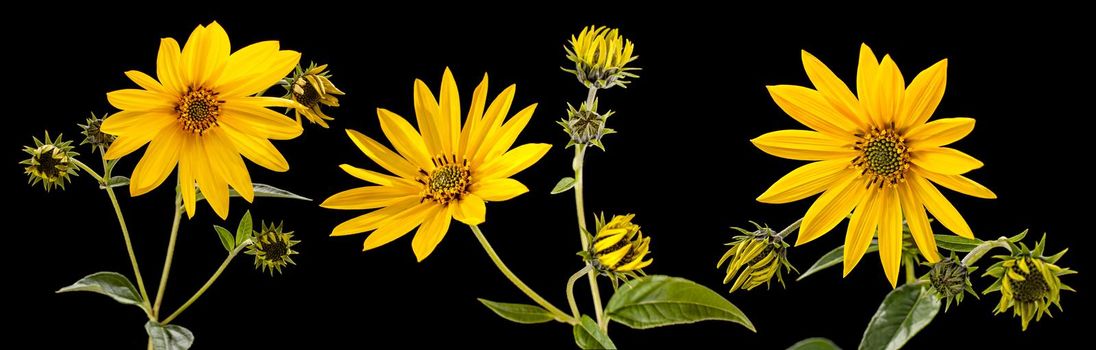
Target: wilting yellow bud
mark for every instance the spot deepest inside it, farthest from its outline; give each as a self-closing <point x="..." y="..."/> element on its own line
<point x="601" y="56"/>
<point x="619" y="248"/>
<point x="1028" y="282"/>
<point x="311" y="88"/>
<point x="272" y="248"/>
<point x="50" y="162"/>
<point x="754" y="258"/>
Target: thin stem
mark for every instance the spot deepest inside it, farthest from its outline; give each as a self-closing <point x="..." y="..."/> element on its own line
<point x="908" y="261"/>
<point x="88" y="170"/>
<point x="788" y="230"/>
<point x="590" y="96"/>
<point x="580" y="209"/>
<point x="170" y="254"/>
<point x="560" y="316"/>
<point x="198" y="294"/>
<point x="129" y="244"/>
<point x="977" y="253"/>
<point x="571" y="289"/>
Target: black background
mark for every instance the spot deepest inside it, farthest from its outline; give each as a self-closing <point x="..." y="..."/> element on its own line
<point x="682" y="162"/>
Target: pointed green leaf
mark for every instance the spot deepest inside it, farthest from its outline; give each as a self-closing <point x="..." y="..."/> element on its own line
<point x="1018" y="237"/>
<point x="903" y="313"/>
<point x="520" y="313"/>
<point x="956" y="243"/>
<point x="170" y="337"/>
<point x="589" y="336"/>
<point x="115" y="181"/>
<point x="112" y="284"/>
<point x="814" y="344"/>
<point x="564" y="185"/>
<point x="656" y="301"/>
<point x="226" y="237"/>
<point x="834" y="257"/>
<point x="262" y="190"/>
<point x="243" y="230"/>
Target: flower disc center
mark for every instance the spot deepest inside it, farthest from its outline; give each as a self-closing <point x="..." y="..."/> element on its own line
<point x="448" y="182"/>
<point x="198" y="110"/>
<point x="884" y="157"/>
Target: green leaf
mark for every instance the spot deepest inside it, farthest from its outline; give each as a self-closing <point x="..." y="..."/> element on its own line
<point x="1018" y="237"/>
<point x="903" y="313"/>
<point x="226" y="238"/>
<point x="564" y="185"/>
<point x="956" y="243"/>
<point x="243" y="230"/>
<point x="589" y="336"/>
<point x="814" y="344"/>
<point x="262" y="190"/>
<point x="834" y="257"/>
<point x="170" y="337"/>
<point x="520" y="313"/>
<point x="656" y="301"/>
<point x="115" y="181"/>
<point x="112" y="284"/>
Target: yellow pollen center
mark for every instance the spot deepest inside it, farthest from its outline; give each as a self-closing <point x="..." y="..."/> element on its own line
<point x="884" y="157"/>
<point x="198" y="110"/>
<point x="448" y="182"/>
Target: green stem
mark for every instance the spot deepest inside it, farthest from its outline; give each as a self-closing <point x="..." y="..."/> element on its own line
<point x="129" y="243"/>
<point x="88" y="170"/>
<point x="791" y="228"/>
<point x="560" y="316"/>
<point x="977" y="253"/>
<point x="170" y="254"/>
<point x="571" y="289"/>
<point x="908" y="261"/>
<point x="590" y="96"/>
<point x="208" y="283"/>
<point x="580" y="209"/>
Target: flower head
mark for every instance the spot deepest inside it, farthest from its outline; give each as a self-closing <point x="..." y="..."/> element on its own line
<point x="585" y="125"/>
<point x="50" y="162"/>
<point x="1028" y="282"/>
<point x="873" y="154"/>
<point x="272" y="248"/>
<point x="200" y="114"/>
<point x="311" y="88"/>
<point x="444" y="170"/>
<point x="601" y="56"/>
<point x="755" y="258"/>
<point x="950" y="280"/>
<point x="94" y="135"/>
<point x="618" y="249"/>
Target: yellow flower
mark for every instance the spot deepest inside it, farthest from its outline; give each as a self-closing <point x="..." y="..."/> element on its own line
<point x="1028" y="282"/>
<point x="200" y="114"/>
<point x="447" y="171"/>
<point x="875" y="153"/>
<point x="311" y="88"/>
<point x="601" y="56"/>
<point x="618" y="249"/>
<point x="50" y="162"/>
<point x="272" y="248"/>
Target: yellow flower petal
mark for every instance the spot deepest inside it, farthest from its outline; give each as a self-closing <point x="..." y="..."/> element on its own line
<point x="513" y="161"/>
<point x="807" y="181"/>
<point x="399" y="225"/>
<point x="811" y="109"/>
<point x="497" y="190"/>
<point x="890" y="234"/>
<point x="918" y="222"/>
<point x="945" y="160"/>
<point x="404" y="138"/>
<point x="141" y="100"/>
<point x="376" y="178"/>
<point x="473" y="121"/>
<point x="833" y="89"/>
<point x="433" y="229"/>
<point x="501" y="139"/>
<point x="373" y="219"/>
<point x="259" y="121"/>
<point x="492" y="120"/>
<point x="257" y="149"/>
<point x="958" y="183"/>
<point x="885" y="94"/>
<point x="470" y="210"/>
<point x="865" y="76"/>
<point x="862" y="227"/>
<point x="157" y="163"/>
<point x="227" y="164"/>
<point x="267" y="70"/>
<point x="830" y="208"/>
<point x="923" y="95"/>
<point x="168" y="67"/>
<point x="212" y="186"/>
<point x="137" y="123"/>
<point x="448" y="119"/>
<point x="383" y="156"/>
<point x="367" y="197"/>
<point x="186" y="177"/>
<point x="426" y="110"/>
<point x="804" y="145"/>
<point x="939" y="206"/>
<point x="940" y="132"/>
<point x="146" y="82"/>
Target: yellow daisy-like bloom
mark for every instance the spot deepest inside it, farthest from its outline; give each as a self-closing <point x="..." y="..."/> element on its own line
<point x="873" y="152"/>
<point x="601" y="56"/>
<point x="447" y="171"/>
<point x="200" y="114"/>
